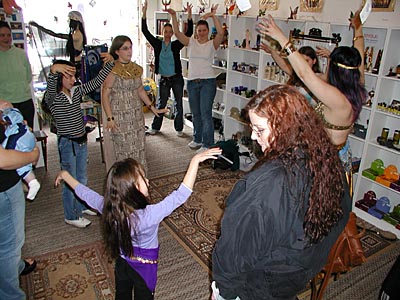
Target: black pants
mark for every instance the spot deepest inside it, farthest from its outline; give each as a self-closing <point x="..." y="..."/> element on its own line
<point x="27" y="110"/>
<point x="126" y="280"/>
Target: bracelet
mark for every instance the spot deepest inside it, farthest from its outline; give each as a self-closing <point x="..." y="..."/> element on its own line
<point x="283" y="48"/>
<point x="110" y="119"/>
<point x="149" y="106"/>
<point x="289" y="49"/>
<point x="358" y="37"/>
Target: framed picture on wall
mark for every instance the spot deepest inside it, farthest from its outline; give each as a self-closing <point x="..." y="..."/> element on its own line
<point x="383" y="5"/>
<point x="311" y="5"/>
<point x="16" y="25"/>
<point x="268" y="5"/>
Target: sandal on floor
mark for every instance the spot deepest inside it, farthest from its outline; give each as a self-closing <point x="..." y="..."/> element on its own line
<point x="28" y="267"/>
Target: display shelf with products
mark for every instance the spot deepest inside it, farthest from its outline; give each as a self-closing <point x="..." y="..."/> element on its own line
<point x="384" y="120"/>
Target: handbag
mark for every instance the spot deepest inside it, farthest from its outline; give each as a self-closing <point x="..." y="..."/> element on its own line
<point x="351" y="253"/>
<point x="347" y="252"/>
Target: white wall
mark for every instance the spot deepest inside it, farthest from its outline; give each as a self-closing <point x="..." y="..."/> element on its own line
<point x="334" y="11"/>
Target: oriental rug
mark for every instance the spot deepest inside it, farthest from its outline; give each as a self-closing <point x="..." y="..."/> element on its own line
<point x="81" y="273"/>
<point x="196" y="224"/>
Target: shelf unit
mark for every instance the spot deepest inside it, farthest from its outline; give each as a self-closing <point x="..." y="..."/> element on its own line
<point x="386" y="89"/>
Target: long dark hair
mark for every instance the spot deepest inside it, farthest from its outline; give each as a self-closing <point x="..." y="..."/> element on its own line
<point x="310" y="52"/>
<point x="121" y="200"/>
<point x="297" y="132"/>
<point x="117" y="43"/>
<point x="347" y="80"/>
<point x="60" y="75"/>
<point x="73" y="25"/>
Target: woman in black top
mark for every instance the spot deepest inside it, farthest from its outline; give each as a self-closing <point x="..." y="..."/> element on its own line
<point x="168" y="65"/>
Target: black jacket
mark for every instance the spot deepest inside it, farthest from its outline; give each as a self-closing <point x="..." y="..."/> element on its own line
<point x="176" y="46"/>
<point x="262" y="252"/>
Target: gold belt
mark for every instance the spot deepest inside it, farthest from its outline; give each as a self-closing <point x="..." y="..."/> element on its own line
<point x="144" y="260"/>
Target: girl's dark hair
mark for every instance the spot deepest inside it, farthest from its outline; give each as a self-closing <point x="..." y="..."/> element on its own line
<point x="73" y="25"/>
<point x="347" y="80"/>
<point x="297" y="133"/>
<point x="5" y="24"/>
<point x="202" y="22"/>
<point x="117" y="43"/>
<point x="310" y="52"/>
<point x="121" y="199"/>
<point x="59" y="75"/>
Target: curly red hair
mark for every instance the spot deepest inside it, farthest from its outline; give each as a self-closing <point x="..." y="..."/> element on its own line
<point x="295" y="126"/>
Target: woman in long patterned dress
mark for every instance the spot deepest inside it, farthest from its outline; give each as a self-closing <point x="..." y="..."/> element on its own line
<point x="122" y="97"/>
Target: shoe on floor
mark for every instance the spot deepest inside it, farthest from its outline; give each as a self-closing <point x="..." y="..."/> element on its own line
<point x="152" y="131"/>
<point x="29" y="268"/>
<point x="201" y="149"/>
<point x="80" y="223"/>
<point x="179" y="133"/>
<point x="89" y="212"/>
<point x="193" y="145"/>
<point x="34" y="187"/>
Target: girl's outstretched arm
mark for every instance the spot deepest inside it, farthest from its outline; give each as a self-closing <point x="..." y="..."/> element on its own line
<point x="191" y="173"/>
<point x="67" y="178"/>
<point x="92" y="198"/>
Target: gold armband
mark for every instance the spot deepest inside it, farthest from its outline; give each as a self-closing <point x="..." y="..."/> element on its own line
<point x="358" y="37"/>
<point x="289" y="49"/>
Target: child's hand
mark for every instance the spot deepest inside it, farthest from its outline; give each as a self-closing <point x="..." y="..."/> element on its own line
<point x="66" y="70"/>
<point x="191" y="173"/>
<point x="211" y="153"/>
<point x="59" y="178"/>
<point x="106" y="57"/>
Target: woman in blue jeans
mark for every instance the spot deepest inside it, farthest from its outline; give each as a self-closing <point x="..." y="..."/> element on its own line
<point x="201" y="83"/>
<point x="12" y="220"/>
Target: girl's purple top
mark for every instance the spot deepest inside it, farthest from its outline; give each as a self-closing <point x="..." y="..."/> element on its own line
<point x="145" y="234"/>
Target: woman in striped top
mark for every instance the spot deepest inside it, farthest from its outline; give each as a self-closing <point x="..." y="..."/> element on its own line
<point x="63" y="99"/>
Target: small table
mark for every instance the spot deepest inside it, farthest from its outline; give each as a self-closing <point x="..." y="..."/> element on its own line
<point x="41" y="137"/>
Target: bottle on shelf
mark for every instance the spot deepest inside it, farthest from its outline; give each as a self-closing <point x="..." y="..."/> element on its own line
<point x="267" y="72"/>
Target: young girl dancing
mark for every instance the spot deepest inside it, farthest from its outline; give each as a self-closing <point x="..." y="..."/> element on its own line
<point x="130" y="223"/>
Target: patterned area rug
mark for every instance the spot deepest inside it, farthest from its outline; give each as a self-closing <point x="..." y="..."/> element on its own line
<point x="196" y="224"/>
<point x="81" y="272"/>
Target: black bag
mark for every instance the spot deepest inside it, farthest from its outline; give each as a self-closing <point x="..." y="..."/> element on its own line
<point x="391" y="285"/>
<point x="230" y="156"/>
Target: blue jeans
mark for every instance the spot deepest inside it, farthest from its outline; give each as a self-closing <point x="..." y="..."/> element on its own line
<point x="165" y="85"/>
<point x="12" y="237"/>
<point x="201" y="98"/>
<point x="73" y="158"/>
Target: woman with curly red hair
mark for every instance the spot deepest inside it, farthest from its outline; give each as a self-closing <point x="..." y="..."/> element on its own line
<point x="283" y="217"/>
